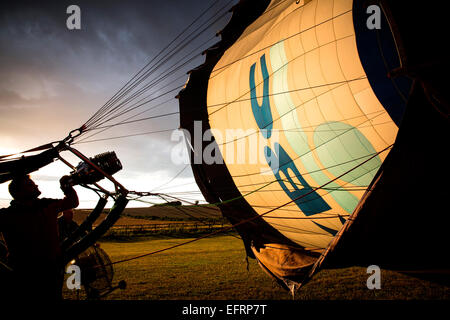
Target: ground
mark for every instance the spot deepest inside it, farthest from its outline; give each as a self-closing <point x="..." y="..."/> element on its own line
<point x="216" y="269"/>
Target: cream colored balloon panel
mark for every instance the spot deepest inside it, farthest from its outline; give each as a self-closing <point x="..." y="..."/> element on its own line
<point x="306" y="84"/>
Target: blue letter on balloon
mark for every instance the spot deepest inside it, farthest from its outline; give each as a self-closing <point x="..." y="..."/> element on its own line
<point x="306" y="199"/>
<point x="262" y="114"/>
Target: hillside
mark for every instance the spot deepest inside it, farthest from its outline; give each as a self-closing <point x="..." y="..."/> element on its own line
<point x="156" y="214"/>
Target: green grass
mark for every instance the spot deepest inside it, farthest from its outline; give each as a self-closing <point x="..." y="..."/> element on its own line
<point x="177" y="213"/>
<point x="215" y="269"/>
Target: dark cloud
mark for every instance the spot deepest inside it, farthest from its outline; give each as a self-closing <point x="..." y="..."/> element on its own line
<point x="10" y="98"/>
<point x="54" y="79"/>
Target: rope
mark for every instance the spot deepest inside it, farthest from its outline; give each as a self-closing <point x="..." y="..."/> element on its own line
<point x="112" y="99"/>
<point x="246" y="220"/>
<point x="156" y="66"/>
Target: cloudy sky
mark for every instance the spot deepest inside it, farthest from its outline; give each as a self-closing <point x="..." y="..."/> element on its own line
<point x="54" y="79"/>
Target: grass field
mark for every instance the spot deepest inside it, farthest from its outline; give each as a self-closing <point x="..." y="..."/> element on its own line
<point x="155" y="215"/>
<point x="215" y="269"/>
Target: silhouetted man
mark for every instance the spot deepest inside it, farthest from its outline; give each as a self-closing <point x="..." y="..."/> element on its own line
<point x="30" y="230"/>
<point x="66" y="225"/>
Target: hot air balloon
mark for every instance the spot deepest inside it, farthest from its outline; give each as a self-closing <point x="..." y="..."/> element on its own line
<point x="332" y="102"/>
<point x="323" y="127"/>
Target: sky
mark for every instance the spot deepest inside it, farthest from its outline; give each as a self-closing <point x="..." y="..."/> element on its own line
<point x="54" y="79"/>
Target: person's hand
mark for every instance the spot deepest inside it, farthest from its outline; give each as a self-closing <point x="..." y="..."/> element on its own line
<point x="65" y="182"/>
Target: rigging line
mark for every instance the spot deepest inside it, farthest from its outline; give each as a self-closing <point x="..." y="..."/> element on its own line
<point x="177" y="208"/>
<point x="340" y="188"/>
<point x="243" y="221"/>
<point x="187" y="40"/>
<point x="172" y="69"/>
<point x="230" y="140"/>
<point x="226" y="104"/>
<point x="188" y="192"/>
<point x="197" y="192"/>
<point x="127" y="122"/>
<point x="311" y="126"/>
<point x="176" y="176"/>
<point x="178" y="49"/>
<point x="217" y="110"/>
<point x="134" y="116"/>
<point x="148" y="202"/>
<point x="309" y="172"/>
<point x="328" y="213"/>
<point x="143" y="201"/>
<point x="329" y="192"/>
<point x="232" y="1"/>
<point x="147" y="87"/>
<point x="155" y="98"/>
<point x="306" y="173"/>
<point x="151" y="60"/>
<point x="288" y="37"/>
<point x="343" y="119"/>
<point x="110" y="126"/>
<point x="281" y="68"/>
<point x="6" y="266"/>
<point x="328" y="216"/>
<point x="235" y="140"/>
<point x="111" y="116"/>
<point x="266" y="11"/>
<point x="271" y="75"/>
<point x="297" y="230"/>
<point x="150" y="85"/>
<point x="185" y="199"/>
<point x="350" y="188"/>
<point x="216" y="213"/>
<point x="180" y="185"/>
<point x="272" y="8"/>
<point x="303" y="174"/>
<point x="143" y="119"/>
<point x="334" y="130"/>
<point x="127" y="136"/>
<point x="214" y="205"/>
<point x="308" y="152"/>
<point x="204" y="223"/>
<point x="260" y="97"/>
<point x="304" y="201"/>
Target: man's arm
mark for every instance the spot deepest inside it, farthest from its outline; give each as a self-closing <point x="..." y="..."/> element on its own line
<point x="70" y="200"/>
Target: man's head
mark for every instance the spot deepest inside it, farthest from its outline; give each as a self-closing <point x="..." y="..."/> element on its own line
<point x="23" y="188"/>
